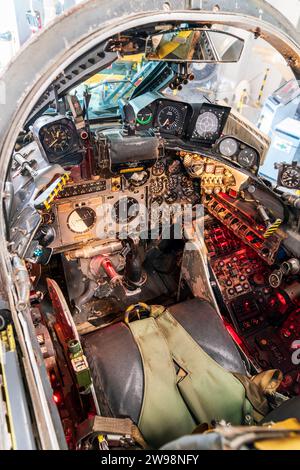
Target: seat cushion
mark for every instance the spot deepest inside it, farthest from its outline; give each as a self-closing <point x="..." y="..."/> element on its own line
<point x="117" y="371"/>
<point x="203" y="323"/>
<point x="117" y="368"/>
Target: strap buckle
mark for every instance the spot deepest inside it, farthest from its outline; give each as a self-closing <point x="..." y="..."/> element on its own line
<point x="136" y="312"/>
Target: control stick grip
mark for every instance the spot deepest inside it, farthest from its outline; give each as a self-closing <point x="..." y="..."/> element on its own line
<point x="134" y="275"/>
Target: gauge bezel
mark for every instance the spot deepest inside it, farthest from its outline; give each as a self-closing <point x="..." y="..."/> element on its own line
<point x="221" y="112"/>
<point x="181" y="109"/>
<point x="88" y="228"/>
<point x="68" y="127"/>
<point x="115" y="213"/>
<point x="64" y="127"/>
<point x="255" y="159"/>
<point x="227" y="138"/>
<point x="140" y="122"/>
<point x="286" y="168"/>
<point x="73" y="155"/>
<point x="157" y="185"/>
<point x="162" y="164"/>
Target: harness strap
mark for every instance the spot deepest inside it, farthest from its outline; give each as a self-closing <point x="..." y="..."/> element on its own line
<point x="164" y="415"/>
<point x="210" y="392"/>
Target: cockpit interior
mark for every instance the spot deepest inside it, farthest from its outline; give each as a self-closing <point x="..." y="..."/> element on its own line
<point x="146" y="242"/>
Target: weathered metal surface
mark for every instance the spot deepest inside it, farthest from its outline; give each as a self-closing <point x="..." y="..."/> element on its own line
<point x="194" y="268"/>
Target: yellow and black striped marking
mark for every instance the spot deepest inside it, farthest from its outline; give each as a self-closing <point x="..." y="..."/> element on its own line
<point x="58" y="188"/>
<point x="272" y="228"/>
<point x="261" y="91"/>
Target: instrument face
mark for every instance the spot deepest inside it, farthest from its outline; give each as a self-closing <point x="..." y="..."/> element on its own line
<point x="207" y="124"/>
<point x="57" y="138"/>
<point x="170" y="117"/>
<point x="81" y="220"/>
<point x="144" y="116"/>
<point x="228" y="147"/>
<point x="247" y="157"/>
<point x="125" y="210"/>
<point x="290" y="178"/>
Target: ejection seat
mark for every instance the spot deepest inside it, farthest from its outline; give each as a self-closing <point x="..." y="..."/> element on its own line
<point x="117" y="366"/>
<point x="121" y="382"/>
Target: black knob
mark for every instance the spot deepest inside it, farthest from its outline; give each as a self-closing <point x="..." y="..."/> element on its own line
<point x="5" y="319"/>
<point x="45" y="235"/>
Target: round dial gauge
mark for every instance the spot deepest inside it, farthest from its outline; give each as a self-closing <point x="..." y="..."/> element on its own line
<point x="169" y="118"/>
<point x="247" y="157"/>
<point x="125" y="210"/>
<point x="228" y="147"/>
<point x="157" y="186"/>
<point x="158" y="168"/>
<point x="207" y="124"/>
<point x="57" y="138"/>
<point x="144" y="116"/>
<point x="290" y="178"/>
<point x="172" y="183"/>
<point x="81" y="220"/>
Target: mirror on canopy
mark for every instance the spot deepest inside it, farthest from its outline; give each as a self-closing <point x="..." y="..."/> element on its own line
<point x="194" y="45"/>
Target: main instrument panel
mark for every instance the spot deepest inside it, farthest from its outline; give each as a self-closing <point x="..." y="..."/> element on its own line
<point x="202" y="123"/>
<point x="117" y="205"/>
<point x="126" y="172"/>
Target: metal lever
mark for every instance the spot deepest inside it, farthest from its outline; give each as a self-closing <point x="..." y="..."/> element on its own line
<point x="43" y="177"/>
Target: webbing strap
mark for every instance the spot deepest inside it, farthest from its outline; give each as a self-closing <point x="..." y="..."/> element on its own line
<point x="210" y="392"/>
<point x="164" y="415"/>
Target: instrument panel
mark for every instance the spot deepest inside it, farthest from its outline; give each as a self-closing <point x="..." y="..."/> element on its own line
<point x="101" y="209"/>
<point x="209" y="123"/>
<point x="58" y="140"/>
<point x="213" y="176"/>
<point x="170" y="184"/>
<point x="201" y="122"/>
<point x="170" y="117"/>
<point x="235" y="150"/>
<point x="78" y="220"/>
<point x="77" y="212"/>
